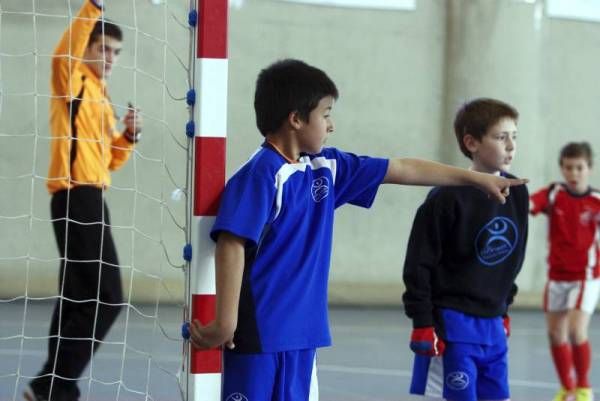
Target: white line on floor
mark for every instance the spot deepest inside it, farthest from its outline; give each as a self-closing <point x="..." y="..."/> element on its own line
<point x="405" y="373"/>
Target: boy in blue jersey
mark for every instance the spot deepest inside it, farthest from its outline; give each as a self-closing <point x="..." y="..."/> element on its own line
<point x="274" y="235"/>
<point x="463" y="256"/>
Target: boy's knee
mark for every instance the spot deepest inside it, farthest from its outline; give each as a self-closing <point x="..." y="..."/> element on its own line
<point x="557" y="336"/>
<point x="577" y="336"/>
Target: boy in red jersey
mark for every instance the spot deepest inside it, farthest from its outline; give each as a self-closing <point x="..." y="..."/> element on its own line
<point x="573" y="288"/>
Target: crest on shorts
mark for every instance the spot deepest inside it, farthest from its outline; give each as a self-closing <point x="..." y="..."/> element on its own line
<point x="457" y="380"/>
<point x="319" y="189"/>
<point x="496" y="241"/>
<point x="237" y="397"/>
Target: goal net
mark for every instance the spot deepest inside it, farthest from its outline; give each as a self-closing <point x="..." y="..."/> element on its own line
<point x="141" y="357"/>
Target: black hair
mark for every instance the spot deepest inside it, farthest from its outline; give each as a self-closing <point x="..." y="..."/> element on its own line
<point x="107" y="27"/>
<point x="577" y="149"/>
<point x="286" y="86"/>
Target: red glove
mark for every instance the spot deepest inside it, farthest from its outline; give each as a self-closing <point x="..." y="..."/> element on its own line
<point x="424" y="341"/>
<point x="506" y="323"/>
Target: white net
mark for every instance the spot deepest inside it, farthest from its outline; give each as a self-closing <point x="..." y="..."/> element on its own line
<point x="141" y="356"/>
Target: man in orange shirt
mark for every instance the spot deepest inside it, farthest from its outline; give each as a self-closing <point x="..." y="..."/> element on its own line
<point x="84" y="149"/>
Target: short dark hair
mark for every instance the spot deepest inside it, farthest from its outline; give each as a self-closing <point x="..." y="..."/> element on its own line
<point x="476" y="117"/>
<point x="577" y="149"/>
<point x="286" y="86"/>
<point x="107" y="27"/>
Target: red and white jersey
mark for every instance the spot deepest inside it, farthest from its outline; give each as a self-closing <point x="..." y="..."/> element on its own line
<point x="574" y="231"/>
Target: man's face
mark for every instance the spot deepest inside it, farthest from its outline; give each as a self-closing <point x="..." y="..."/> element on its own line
<point x="101" y="54"/>
<point x="496" y="149"/>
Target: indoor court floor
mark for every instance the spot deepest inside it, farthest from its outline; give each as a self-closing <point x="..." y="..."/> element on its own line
<point x="369" y="360"/>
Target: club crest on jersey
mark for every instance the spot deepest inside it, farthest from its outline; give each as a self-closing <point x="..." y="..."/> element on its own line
<point x="588" y="216"/>
<point x="319" y="189"/>
<point x="236" y="397"/>
<point x="457" y="380"/>
<point x="496" y="241"/>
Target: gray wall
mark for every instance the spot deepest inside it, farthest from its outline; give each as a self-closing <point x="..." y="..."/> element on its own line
<point x="401" y="76"/>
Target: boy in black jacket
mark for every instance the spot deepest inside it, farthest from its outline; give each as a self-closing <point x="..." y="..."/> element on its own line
<point x="464" y="253"/>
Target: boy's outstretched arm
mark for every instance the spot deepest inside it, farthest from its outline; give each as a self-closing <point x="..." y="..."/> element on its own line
<point x="229" y="261"/>
<point x="424" y="172"/>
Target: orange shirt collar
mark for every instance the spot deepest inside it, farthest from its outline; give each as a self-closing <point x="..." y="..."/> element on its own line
<point x="278" y="150"/>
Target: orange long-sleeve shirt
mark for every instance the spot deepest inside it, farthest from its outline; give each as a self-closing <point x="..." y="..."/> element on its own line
<point x="85" y="145"/>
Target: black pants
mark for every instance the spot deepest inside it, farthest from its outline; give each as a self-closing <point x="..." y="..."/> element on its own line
<point x="89" y="274"/>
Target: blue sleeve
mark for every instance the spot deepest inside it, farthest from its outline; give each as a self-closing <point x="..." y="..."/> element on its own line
<point x="245" y="208"/>
<point x="357" y="178"/>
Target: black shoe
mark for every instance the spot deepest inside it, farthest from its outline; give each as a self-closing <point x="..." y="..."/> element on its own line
<point x="31" y="395"/>
<point x="37" y="392"/>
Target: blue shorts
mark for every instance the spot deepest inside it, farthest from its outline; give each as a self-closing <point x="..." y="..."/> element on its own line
<point x="471" y="372"/>
<point x="278" y="376"/>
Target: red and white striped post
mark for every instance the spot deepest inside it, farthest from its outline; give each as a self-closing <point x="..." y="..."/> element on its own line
<point x="210" y="115"/>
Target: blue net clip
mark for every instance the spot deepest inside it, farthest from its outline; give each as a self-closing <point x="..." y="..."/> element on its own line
<point x="190" y="129"/>
<point x="190" y="97"/>
<point x="193" y="18"/>
<point x="185" y="330"/>
<point x="187" y="252"/>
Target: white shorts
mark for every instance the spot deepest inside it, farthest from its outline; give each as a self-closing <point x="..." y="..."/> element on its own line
<point x="564" y="295"/>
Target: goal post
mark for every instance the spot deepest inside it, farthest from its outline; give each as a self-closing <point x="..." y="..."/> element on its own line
<point x="210" y="128"/>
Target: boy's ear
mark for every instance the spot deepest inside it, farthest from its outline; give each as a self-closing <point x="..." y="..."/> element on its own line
<point x="295" y="120"/>
<point x="470" y="142"/>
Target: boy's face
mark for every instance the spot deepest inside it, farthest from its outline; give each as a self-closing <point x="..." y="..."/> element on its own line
<point x="496" y="149"/>
<point x="313" y="134"/>
<point x="100" y="55"/>
<point x="576" y="172"/>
